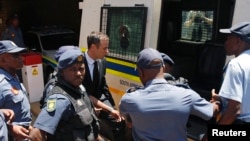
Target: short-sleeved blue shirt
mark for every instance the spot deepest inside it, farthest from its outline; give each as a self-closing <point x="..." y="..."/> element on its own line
<point x="236" y="84"/>
<point x="13" y="96"/>
<point x="48" y="121"/>
<point x="14" y="34"/>
<point x="3" y="128"/>
<point x="160" y="111"/>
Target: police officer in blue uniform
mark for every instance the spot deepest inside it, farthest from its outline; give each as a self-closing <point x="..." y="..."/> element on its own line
<point x="6" y="116"/>
<point x="13" y="95"/>
<point x="169" y="63"/>
<point x="53" y="77"/>
<point x="160" y="111"/>
<point x="13" y="31"/>
<point x="68" y="114"/>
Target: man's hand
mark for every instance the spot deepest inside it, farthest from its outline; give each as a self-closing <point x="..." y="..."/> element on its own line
<point x="116" y="115"/>
<point x="19" y="132"/>
<point x="204" y="138"/>
<point x="8" y="114"/>
<point x="97" y="110"/>
<point x="37" y="135"/>
<point x="215" y="96"/>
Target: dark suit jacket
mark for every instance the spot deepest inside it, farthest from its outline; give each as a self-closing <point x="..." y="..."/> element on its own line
<point x="97" y="90"/>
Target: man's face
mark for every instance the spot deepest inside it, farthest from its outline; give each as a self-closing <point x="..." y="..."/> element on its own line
<point x="74" y="74"/>
<point x="15" y="22"/>
<point x="14" y="61"/>
<point x="168" y="68"/>
<point x="102" y="50"/>
<point x="232" y="44"/>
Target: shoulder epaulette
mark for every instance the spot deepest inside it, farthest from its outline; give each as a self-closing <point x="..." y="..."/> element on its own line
<point x="1" y="77"/>
<point x="133" y="89"/>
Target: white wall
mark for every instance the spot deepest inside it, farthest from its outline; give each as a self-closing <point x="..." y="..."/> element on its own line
<point x="241" y="11"/>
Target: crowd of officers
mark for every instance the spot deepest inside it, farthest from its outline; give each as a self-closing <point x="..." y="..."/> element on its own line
<point x="77" y="104"/>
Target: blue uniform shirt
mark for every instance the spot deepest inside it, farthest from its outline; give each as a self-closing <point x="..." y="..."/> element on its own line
<point x="13" y="96"/>
<point x="3" y="128"/>
<point x="160" y="111"/>
<point x="48" y="121"/>
<point x="13" y="34"/>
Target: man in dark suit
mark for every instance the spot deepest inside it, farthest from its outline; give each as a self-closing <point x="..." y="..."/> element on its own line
<point x="112" y="125"/>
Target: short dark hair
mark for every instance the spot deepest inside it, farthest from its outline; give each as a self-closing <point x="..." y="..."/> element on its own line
<point x="95" y="37"/>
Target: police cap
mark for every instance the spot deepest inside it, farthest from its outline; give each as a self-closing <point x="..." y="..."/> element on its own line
<point x="7" y="46"/>
<point x="70" y="57"/>
<point x="241" y="29"/>
<point x="62" y="49"/>
<point x="145" y="58"/>
<point x="167" y="59"/>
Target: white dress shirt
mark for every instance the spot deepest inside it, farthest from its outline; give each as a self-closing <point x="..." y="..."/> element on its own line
<point x="90" y="62"/>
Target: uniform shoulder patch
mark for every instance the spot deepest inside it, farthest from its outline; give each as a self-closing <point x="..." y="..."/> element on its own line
<point x="51" y="105"/>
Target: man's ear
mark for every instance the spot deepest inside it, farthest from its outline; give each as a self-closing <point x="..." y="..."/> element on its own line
<point x="93" y="47"/>
<point x="3" y="58"/>
<point x="141" y="72"/>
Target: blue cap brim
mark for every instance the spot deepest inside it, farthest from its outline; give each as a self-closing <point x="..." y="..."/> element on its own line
<point x="227" y="31"/>
<point x="15" y="50"/>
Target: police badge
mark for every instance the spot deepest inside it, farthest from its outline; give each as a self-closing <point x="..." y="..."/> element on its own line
<point x="51" y="105"/>
<point x="79" y="58"/>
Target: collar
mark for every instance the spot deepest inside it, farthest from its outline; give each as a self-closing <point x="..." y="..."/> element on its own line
<point x="247" y="51"/>
<point x="6" y="74"/>
<point x="89" y="59"/>
<point x="156" y="81"/>
<point x="12" y="27"/>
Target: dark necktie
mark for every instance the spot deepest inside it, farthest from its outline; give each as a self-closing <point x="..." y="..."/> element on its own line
<point x="95" y="74"/>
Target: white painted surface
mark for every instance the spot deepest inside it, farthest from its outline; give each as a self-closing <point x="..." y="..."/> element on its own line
<point x="241" y="11"/>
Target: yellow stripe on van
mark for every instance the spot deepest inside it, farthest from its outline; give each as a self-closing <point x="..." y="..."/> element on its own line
<point x="49" y="59"/>
<point x="116" y="91"/>
<point x="124" y="75"/>
<point x="124" y="63"/>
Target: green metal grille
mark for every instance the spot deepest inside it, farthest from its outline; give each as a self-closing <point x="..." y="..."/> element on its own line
<point x="126" y="29"/>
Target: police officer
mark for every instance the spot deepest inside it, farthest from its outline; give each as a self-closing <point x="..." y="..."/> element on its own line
<point x="169" y="63"/>
<point x="68" y="114"/>
<point x="7" y="116"/>
<point x="53" y="77"/>
<point x="160" y="111"/>
<point x="13" y="31"/>
<point x="13" y="95"/>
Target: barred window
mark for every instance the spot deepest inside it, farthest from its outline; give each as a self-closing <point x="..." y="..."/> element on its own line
<point x="125" y="27"/>
<point x="197" y="25"/>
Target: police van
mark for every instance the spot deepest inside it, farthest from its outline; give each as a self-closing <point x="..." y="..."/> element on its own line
<point x="46" y="40"/>
<point x="186" y="30"/>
